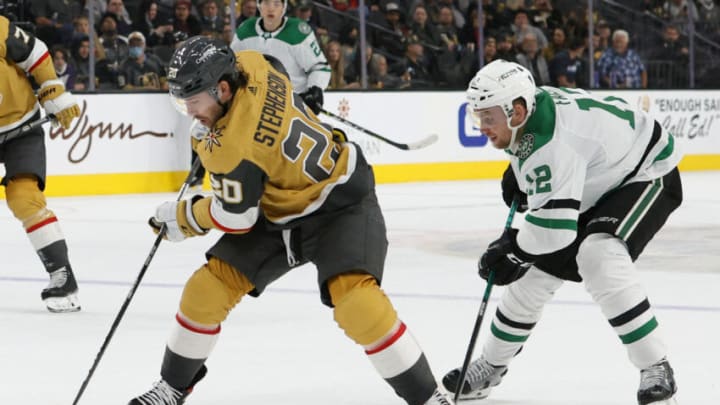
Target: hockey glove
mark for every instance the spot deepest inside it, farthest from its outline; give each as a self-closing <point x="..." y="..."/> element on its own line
<point x="55" y="100"/>
<point x="178" y="219"/>
<point x="511" y="190"/>
<point x="339" y="136"/>
<point x="313" y="98"/>
<point x="505" y="258"/>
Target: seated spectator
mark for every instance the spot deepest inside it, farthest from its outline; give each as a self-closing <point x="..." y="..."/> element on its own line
<point x="141" y="70"/>
<point x="673" y="56"/>
<point x="336" y="60"/>
<point x="80" y="52"/>
<point x="521" y="25"/>
<point x="228" y="34"/>
<point x="155" y="29"/>
<point x="423" y="28"/>
<point x="389" y="39"/>
<point x="470" y="32"/>
<point x="557" y="43"/>
<point x="457" y="14"/>
<point x="64" y="70"/>
<point x="603" y="31"/>
<point x="116" y="51"/>
<point x="54" y="20"/>
<point x="568" y="67"/>
<point x="248" y="10"/>
<point x="678" y="11"/>
<point x="210" y="19"/>
<point x="304" y="10"/>
<point x="531" y="57"/>
<point x="447" y="29"/>
<point x="414" y="67"/>
<point x="83" y="30"/>
<point x="621" y="67"/>
<point x="490" y="50"/>
<point x="184" y="21"/>
<point x="544" y="16"/>
<point x="353" y="70"/>
<point x="382" y="78"/>
<point x="124" y="24"/>
<point x="506" y="46"/>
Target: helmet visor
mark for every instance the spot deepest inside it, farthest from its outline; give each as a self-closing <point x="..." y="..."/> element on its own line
<point x="487" y="117"/>
<point x="193" y="105"/>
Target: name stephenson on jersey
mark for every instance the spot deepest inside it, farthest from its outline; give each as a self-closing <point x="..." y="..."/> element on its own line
<point x="268" y="154"/>
<point x="577" y="147"/>
<point x="293" y="44"/>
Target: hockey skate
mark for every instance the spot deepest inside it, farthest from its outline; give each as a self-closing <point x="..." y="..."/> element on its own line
<point x="439" y="398"/>
<point x="163" y="394"/>
<point x="480" y="378"/>
<point x="61" y="293"/>
<point x="657" y="385"/>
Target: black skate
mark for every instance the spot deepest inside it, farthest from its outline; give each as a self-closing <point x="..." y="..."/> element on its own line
<point x="61" y="293"/>
<point x="163" y="394"/>
<point x="657" y="384"/>
<point x="439" y="398"/>
<point x="480" y="378"/>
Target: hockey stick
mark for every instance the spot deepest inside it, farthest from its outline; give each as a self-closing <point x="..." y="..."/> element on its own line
<point x="427" y="141"/>
<point x="481" y="314"/>
<point x="123" y="308"/>
<point x="18" y="132"/>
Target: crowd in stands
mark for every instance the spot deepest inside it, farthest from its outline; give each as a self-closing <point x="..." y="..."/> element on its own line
<point x="417" y="44"/>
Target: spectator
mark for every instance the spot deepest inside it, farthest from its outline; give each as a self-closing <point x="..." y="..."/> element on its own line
<point x="389" y="38"/>
<point x="304" y="11"/>
<point x="568" y="67"/>
<point x="457" y="14"/>
<point x="470" y="32"/>
<point x="414" y="67"/>
<point x="116" y="51"/>
<point x="141" y="70"/>
<point x="83" y="30"/>
<point x="117" y="7"/>
<point x="557" y="43"/>
<point x="521" y="25"/>
<point x="423" y="28"/>
<point x="81" y="60"/>
<point x="603" y="31"/>
<point x="228" y="34"/>
<point x="336" y="61"/>
<point x="155" y="29"/>
<point x="63" y="69"/>
<point x="96" y="7"/>
<point x="671" y="57"/>
<point x="248" y="10"/>
<point x="54" y="20"/>
<point x="344" y="5"/>
<point x="678" y="11"/>
<point x="532" y="59"/>
<point x="447" y="29"/>
<point x="506" y="46"/>
<point x="184" y="21"/>
<point x="382" y="78"/>
<point x="621" y="67"/>
<point x="353" y="70"/>
<point x="210" y="20"/>
<point x="544" y="16"/>
<point x="490" y="51"/>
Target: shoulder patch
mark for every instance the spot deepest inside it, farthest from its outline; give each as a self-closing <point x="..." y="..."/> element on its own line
<point x="304" y="28"/>
<point x="526" y="146"/>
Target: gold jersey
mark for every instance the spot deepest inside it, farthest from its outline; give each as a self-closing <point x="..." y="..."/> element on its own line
<point x="20" y="54"/>
<point x="269" y="154"/>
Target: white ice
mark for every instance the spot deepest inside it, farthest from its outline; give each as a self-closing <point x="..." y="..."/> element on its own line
<point x="285" y="349"/>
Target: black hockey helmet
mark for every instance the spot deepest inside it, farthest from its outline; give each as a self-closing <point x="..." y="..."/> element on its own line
<point x="198" y="65"/>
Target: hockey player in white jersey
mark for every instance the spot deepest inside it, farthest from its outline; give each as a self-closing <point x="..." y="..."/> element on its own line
<point x="600" y="178"/>
<point x="293" y="43"/>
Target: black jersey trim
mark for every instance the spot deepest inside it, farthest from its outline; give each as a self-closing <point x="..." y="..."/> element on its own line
<point x="560" y="204"/>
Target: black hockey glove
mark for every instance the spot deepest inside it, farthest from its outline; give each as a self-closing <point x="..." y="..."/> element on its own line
<point x="505" y="258"/>
<point x="313" y="98"/>
<point x="511" y="190"/>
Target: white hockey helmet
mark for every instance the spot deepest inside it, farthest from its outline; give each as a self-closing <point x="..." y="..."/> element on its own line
<point x="499" y="83"/>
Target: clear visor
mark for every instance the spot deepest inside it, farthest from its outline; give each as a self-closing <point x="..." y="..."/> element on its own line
<point x="487" y="117"/>
<point x="193" y="105"/>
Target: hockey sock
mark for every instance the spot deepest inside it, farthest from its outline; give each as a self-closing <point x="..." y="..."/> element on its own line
<point x="187" y="349"/>
<point x="611" y="278"/>
<point x="49" y="242"/>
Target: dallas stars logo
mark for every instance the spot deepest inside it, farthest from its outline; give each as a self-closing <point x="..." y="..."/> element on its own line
<point x="212" y="138"/>
<point x="527" y="142"/>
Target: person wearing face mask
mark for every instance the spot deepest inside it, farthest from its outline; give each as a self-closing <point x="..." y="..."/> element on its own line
<point x="142" y="70"/>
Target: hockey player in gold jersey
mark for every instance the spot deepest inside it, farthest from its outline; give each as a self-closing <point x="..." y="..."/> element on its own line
<point x="284" y="193"/>
<point x="21" y="54"/>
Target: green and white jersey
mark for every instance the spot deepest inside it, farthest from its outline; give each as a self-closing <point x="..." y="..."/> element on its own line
<point x="293" y="44"/>
<point x="575" y="148"/>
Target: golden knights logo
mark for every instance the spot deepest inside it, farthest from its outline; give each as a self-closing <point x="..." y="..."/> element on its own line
<point x="212" y="138"/>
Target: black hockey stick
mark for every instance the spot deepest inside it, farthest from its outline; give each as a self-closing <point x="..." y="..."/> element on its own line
<point x="18" y="132"/>
<point x="481" y="314"/>
<point x="427" y="141"/>
<point x="123" y="308"/>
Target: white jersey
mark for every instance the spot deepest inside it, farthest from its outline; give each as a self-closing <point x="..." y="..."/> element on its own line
<point x="575" y="148"/>
<point x="293" y="44"/>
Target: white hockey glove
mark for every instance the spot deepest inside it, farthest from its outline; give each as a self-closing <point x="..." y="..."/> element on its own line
<point x="198" y="130"/>
<point x="55" y="100"/>
<point x="178" y="218"/>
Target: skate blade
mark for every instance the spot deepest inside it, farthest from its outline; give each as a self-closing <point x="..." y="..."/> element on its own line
<point x="474" y="396"/>
<point x="69" y="303"/>
<point x="669" y="401"/>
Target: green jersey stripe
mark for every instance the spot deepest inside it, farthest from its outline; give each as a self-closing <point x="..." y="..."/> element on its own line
<point x="569" y="224"/>
<point x="637" y="212"/>
<point x="667" y="150"/>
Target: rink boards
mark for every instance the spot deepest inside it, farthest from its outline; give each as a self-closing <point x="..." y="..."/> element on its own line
<point x="135" y="143"/>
